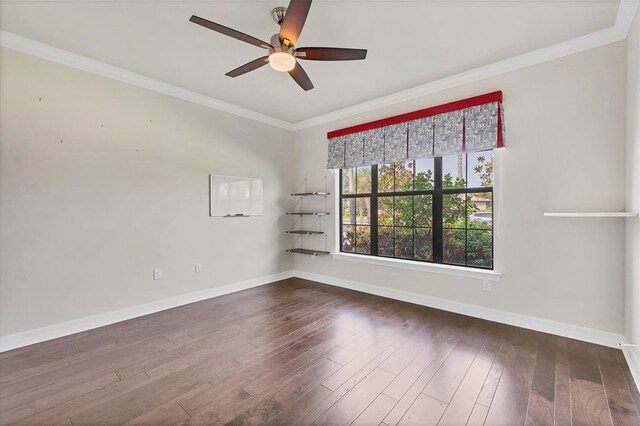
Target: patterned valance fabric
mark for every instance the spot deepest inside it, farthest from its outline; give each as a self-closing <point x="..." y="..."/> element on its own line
<point x="476" y="128"/>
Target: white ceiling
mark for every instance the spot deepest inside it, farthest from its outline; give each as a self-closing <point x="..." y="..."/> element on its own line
<point x="410" y="42"/>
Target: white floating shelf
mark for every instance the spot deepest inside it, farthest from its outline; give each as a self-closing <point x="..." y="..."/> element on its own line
<point x="596" y="214"/>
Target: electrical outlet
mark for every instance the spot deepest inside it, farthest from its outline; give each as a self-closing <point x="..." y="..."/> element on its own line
<point x="198" y="268"/>
<point x="157" y="274"/>
<point x="486" y="285"/>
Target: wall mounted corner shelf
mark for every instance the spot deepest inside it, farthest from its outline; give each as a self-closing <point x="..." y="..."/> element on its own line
<point x="593" y="214"/>
<point x="307" y="213"/>
<point x="308" y="251"/>
<point x="302" y="232"/>
<point x="309" y="222"/>
<point x="308" y="194"/>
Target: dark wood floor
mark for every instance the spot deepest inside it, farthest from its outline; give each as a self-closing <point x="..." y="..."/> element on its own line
<point x="297" y="352"/>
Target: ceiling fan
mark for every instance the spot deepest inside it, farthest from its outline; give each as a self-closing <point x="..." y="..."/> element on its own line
<point x="283" y="54"/>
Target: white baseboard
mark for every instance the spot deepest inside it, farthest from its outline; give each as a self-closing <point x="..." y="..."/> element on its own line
<point x="29" y="337"/>
<point x="633" y="362"/>
<point x="599" y="337"/>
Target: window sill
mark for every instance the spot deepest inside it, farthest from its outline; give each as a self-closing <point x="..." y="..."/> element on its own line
<point x="459" y="271"/>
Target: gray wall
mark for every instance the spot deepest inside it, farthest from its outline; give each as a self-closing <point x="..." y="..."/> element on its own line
<point x="84" y="221"/>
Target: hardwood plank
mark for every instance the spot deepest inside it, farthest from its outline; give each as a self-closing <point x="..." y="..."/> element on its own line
<point x="376" y="412"/>
<point x="542" y="396"/>
<point x="135" y="403"/>
<point x="19" y="412"/>
<point x="631" y="384"/>
<point x="621" y="406"/>
<point x="350" y="406"/>
<point x="405" y="355"/>
<point x="589" y="403"/>
<point x="296" y="411"/>
<point x="463" y="402"/>
<point x="270" y="405"/>
<point x="478" y="415"/>
<point x="509" y="404"/>
<point x="165" y="414"/>
<point x="444" y="383"/>
<point x="87" y="401"/>
<point x="562" y="401"/>
<point x="441" y="345"/>
<point x="393" y="339"/>
<point x="415" y="389"/>
<point x="424" y="411"/>
<point x="322" y="406"/>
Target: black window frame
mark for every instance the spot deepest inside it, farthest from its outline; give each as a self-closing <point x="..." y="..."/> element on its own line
<point x="437" y="194"/>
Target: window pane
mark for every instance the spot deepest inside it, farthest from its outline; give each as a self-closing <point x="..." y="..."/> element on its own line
<point x="422" y="210"/>
<point x="363" y="209"/>
<point x="423" y="243"/>
<point x="363" y="175"/>
<point x="479" y="248"/>
<point x="348" y="211"/>
<point x="423" y="174"/>
<point x="403" y="211"/>
<point x="404" y="176"/>
<point x="349" y="181"/>
<point x="385" y="211"/>
<point x="404" y="242"/>
<point x="453" y="171"/>
<point x="348" y="238"/>
<point x="385" y="178"/>
<point x="480" y="210"/>
<point x="363" y="239"/>
<point x="453" y="246"/>
<point x="480" y="169"/>
<point x="385" y="241"/>
<point x="453" y="210"/>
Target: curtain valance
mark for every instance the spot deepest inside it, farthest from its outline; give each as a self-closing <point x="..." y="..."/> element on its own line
<point x="468" y="125"/>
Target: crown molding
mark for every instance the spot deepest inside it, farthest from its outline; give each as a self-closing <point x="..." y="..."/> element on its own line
<point x="41" y="50"/>
<point x="626" y="14"/>
<point x="619" y="31"/>
<point x="615" y="33"/>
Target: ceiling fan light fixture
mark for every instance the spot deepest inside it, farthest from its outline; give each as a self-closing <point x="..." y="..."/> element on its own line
<point x="282" y="61"/>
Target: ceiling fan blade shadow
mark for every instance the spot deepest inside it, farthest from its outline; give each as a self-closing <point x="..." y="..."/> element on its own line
<point x="330" y="54"/>
<point x="230" y="32"/>
<point x="294" y="19"/>
<point x="249" y="66"/>
<point x="301" y="77"/>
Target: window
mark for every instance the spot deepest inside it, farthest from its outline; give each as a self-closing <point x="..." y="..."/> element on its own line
<point x="431" y="210"/>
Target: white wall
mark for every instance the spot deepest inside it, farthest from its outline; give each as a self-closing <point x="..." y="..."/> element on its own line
<point x="633" y="191"/>
<point x="565" y="141"/>
<point x="100" y="182"/>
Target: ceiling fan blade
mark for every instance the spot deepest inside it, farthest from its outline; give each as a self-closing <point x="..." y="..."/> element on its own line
<point x="330" y="54"/>
<point x="291" y="27"/>
<point x="249" y="66"/>
<point x="229" y="32"/>
<point x="301" y="77"/>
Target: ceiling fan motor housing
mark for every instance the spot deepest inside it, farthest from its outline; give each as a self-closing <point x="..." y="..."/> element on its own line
<point x="281" y="57"/>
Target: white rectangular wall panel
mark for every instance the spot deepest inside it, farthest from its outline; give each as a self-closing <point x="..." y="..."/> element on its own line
<point x="235" y="196"/>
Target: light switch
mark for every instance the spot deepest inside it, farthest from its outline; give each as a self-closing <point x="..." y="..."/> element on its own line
<point x="198" y="268"/>
<point x="157" y="274"/>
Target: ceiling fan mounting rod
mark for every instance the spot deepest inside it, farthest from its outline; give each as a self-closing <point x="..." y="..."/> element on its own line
<point x="278" y="14"/>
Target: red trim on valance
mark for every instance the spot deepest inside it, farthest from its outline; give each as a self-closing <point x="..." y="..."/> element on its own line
<point x="500" y="143"/>
<point x="427" y="112"/>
